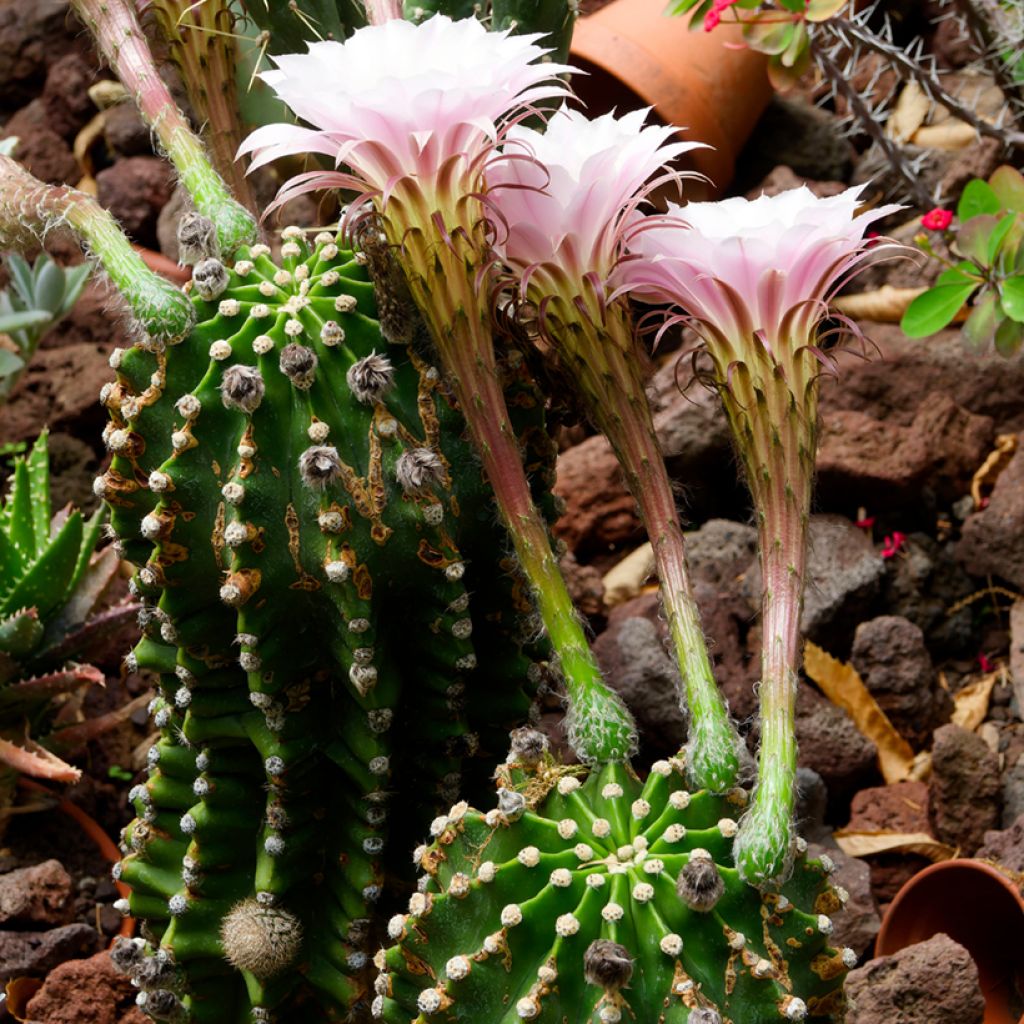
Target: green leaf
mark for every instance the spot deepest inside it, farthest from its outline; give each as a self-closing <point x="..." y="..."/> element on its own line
<point x="934" y="309"/>
<point x="9" y="362"/>
<point x="678" y="7"/>
<point x="980" y="327"/>
<point x="999" y="232"/>
<point x="822" y="10"/>
<point x="74" y="282"/>
<point x="972" y="239"/>
<point x="22" y="318"/>
<point x="48" y="292"/>
<point x="19" y="526"/>
<point x="21" y="278"/>
<point x="768" y="35"/>
<point x="1008" y="185"/>
<point x="20" y="633"/>
<point x="797" y="49"/>
<point x="44" y="585"/>
<point x="796" y="6"/>
<point x="963" y="272"/>
<point x="978" y="197"/>
<point x="1012" y="297"/>
<point x="1009" y="335"/>
<point x="39" y="481"/>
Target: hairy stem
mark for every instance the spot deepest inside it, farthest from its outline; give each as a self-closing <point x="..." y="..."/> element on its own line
<point x="772" y="409"/>
<point x="29" y="209"/>
<point x="442" y="281"/>
<point x="606" y="362"/>
<point x="201" y="44"/>
<point x="986" y="22"/>
<point x="120" y="40"/>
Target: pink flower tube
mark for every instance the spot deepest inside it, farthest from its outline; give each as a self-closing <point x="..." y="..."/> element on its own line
<point x="564" y="200"/>
<point x="753" y="279"/>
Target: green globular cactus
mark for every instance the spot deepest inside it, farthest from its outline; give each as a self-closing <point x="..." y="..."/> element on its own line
<point x="309" y="523"/>
<point x="604" y="899"/>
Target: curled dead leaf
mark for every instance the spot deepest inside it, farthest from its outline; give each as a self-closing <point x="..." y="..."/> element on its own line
<point x="626" y="578"/>
<point x="970" y="703"/>
<point x="856" y="843"/>
<point x="844" y="687"/>
<point x="885" y="305"/>
<point x="995" y="462"/>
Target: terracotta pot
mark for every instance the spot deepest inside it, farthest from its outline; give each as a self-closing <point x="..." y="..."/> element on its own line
<point x="706" y="82"/>
<point x="164" y="266"/>
<point x="976" y="905"/>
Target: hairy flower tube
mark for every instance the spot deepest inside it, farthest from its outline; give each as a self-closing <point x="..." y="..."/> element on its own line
<point x="415" y="112"/>
<point x="754" y="279"/>
<point x="564" y="200"/>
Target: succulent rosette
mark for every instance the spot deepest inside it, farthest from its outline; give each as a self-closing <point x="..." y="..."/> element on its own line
<point x="754" y="279"/>
<point x="415" y="113"/>
<point x="566" y="199"/>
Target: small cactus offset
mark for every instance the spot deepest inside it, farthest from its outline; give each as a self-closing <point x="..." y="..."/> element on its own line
<point x="604" y="898"/>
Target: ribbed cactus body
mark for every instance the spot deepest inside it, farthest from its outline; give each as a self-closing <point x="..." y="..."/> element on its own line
<point x="606" y="899"/>
<point x="309" y="523"/>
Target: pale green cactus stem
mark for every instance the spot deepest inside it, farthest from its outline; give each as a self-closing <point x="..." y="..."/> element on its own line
<point x="602" y="353"/>
<point x="442" y="279"/>
<point x="116" y="30"/>
<point x="772" y="408"/>
<point x="30" y="208"/>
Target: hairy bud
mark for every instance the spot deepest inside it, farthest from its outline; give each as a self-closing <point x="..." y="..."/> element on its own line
<point x="700" y="885"/>
<point x="371" y="378"/>
<point x="197" y="239"/>
<point x="528" y="746"/>
<point x="298" y="363"/>
<point x="319" y="466"/>
<point x="210" y="279"/>
<point x="607" y="964"/>
<point x="419" y="469"/>
<point x="261" y="940"/>
<point x="242" y="388"/>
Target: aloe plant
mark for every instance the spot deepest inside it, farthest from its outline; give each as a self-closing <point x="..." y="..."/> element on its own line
<point x="52" y="579"/>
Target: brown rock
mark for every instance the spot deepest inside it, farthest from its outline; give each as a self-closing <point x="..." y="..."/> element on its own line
<point x="900" y="807"/>
<point x="40" y="149"/>
<point x="32" y="37"/>
<point x="992" y="542"/>
<point x="125" y="131"/>
<point x="585" y="586"/>
<point x="35" y="895"/>
<point x="933" y="982"/>
<point x="134" y="190"/>
<point x="965" y="788"/>
<point x="890" y="386"/>
<point x="89" y="991"/>
<point x="857" y="924"/>
<point x="783" y="178"/>
<point x="1017" y="651"/>
<point x="66" y="95"/>
<point x="1005" y="847"/>
<point x="978" y="160"/>
<point x="862" y="460"/>
<point x="831" y="744"/>
<point x="35" y="953"/>
<point x="891" y="657"/>
<point x="600" y="514"/>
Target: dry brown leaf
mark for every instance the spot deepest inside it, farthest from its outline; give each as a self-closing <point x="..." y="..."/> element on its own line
<point x="909" y="114"/>
<point x="970" y="703"/>
<point x="885" y="305"/>
<point x="862" y="844"/>
<point x="845" y="688"/>
<point x="995" y="462"/>
<point x="626" y="579"/>
<point x="950" y="135"/>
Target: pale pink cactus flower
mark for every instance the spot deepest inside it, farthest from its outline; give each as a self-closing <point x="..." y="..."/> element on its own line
<point x="405" y="106"/>
<point x="765" y="266"/>
<point x="566" y="196"/>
